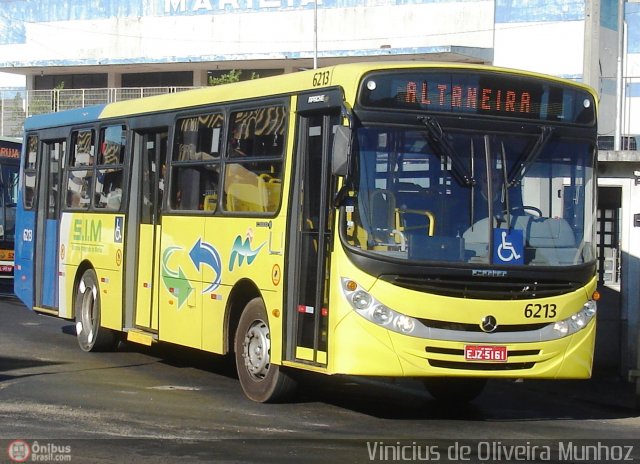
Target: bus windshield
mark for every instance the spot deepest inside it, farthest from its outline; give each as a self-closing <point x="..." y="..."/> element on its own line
<point x="462" y="196"/>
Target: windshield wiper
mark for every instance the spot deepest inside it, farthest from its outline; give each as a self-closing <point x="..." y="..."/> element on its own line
<point x="441" y="145"/>
<point x="520" y="169"/>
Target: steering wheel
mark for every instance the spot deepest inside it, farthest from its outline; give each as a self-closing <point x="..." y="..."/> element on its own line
<point x="525" y="208"/>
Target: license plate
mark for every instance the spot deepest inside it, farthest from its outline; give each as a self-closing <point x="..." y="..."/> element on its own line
<point x="491" y="353"/>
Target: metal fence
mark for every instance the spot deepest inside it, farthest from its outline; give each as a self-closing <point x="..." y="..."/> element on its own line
<point x="17" y="104"/>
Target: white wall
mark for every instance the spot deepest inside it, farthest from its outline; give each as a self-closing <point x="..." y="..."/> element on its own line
<point x="548" y="47"/>
<point x="252" y="34"/>
<point x="631" y="124"/>
<point x="11" y="80"/>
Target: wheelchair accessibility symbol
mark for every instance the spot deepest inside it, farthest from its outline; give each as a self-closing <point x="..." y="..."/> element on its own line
<point x="117" y="229"/>
<point x="508" y="246"/>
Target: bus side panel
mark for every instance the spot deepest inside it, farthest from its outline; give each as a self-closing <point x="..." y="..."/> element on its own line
<point x="103" y="236"/>
<point x="70" y="258"/>
<point x="97" y="241"/>
<point x="244" y="249"/>
<point x="183" y="255"/>
<point x="24" y="246"/>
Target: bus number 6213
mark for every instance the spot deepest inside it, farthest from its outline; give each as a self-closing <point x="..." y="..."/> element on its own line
<point x="321" y="78"/>
<point x="538" y="311"/>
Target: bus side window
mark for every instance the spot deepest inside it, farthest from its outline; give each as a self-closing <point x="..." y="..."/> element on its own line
<point x="109" y="180"/>
<point x="195" y="164"/>
<point x="195" y="188"/>
<point x="80" y="174"/>
<point x="78" y="188"/>
<point x="82" y="150"/>
<point x="30" y="164"/>
<point x="253" y="172"/>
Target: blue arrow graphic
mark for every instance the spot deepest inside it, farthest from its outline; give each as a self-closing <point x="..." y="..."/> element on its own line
<point x="205" y="253"/>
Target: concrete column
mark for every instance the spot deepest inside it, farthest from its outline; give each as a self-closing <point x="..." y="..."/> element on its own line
<point x="29" y="81"/>
<point x="114" y="80"/>
<point x="591" y="55"/>
<point x="200" y="78"/>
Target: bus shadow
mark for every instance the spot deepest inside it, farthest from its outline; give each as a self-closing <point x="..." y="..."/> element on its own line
<point x="502" y="400"/>
<point x="183" y="357"/>
<point x="176" y="355"/>
<point x="599" y="398"/>
<point x="69" y="329"/>
<point x="9" y="363"/>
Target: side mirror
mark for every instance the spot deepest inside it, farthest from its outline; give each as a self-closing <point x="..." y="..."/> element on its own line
<point x="341" y="151"/>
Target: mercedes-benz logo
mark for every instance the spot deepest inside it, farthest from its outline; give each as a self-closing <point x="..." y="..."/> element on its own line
<point x="488" y="324"/>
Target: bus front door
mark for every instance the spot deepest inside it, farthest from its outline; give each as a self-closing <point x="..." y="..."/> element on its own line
<point x="309" y="253"/>
<point x="147" y="192"/>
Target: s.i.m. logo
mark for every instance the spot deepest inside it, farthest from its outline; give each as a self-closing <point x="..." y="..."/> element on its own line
<point x="86" y="236"/>
<point x="88" y="230"/>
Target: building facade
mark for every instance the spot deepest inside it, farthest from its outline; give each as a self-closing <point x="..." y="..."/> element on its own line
<point x="103" y="48"/>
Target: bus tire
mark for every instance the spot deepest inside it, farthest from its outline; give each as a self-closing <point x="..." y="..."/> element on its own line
<point x="260" y="380"/>
<point x="455" y="390"/>
<point x="91" y="335"/>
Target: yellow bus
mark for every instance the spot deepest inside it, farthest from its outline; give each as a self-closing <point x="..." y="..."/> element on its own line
<point x="422" y="220"/>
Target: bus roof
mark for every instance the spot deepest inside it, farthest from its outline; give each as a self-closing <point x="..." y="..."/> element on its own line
<point x="346" y="76"/>
<point x="63" y="118"/>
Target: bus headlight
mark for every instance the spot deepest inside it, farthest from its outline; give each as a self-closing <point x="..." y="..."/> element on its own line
<point x="381" y="314"/>
<point x="576" y="321"/>
<point x="361" y="299"/>
<point x="371" y="309"/>
<point x="405" y="324"/>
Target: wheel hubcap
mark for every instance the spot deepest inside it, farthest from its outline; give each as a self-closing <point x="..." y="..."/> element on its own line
<point x="88" y="314"/>
<point x="255" y="349"/>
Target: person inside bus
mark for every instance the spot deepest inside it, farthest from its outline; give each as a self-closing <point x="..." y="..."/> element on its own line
<point x="236" y="144"/>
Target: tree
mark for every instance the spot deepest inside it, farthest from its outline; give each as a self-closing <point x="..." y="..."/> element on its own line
<point x="229" y="77"/>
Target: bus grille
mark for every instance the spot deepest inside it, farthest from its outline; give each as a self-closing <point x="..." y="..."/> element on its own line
<point x="482" y="288"/>
<point x="464" y="327"/>
<point x="479" y="366"/>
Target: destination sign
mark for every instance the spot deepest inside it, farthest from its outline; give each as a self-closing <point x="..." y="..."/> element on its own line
<point x="9" y="151"/>
<point x="478" y="93"/>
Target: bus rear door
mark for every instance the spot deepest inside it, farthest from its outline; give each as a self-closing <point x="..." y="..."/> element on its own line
<point x="47" y="223"/>
<point x="147" y="192"/>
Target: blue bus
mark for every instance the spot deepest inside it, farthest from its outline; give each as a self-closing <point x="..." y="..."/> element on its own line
<point x="9" y="168"/>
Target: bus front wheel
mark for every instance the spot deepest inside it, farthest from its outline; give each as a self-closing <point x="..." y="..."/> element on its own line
<point x="91" y="335"/>
<point x="261" y="380"/>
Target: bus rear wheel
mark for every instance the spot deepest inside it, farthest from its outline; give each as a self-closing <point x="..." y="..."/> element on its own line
<point x="455" y="390"/>
<point x="91" y="335"/>
<point x="261" y="380"/>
